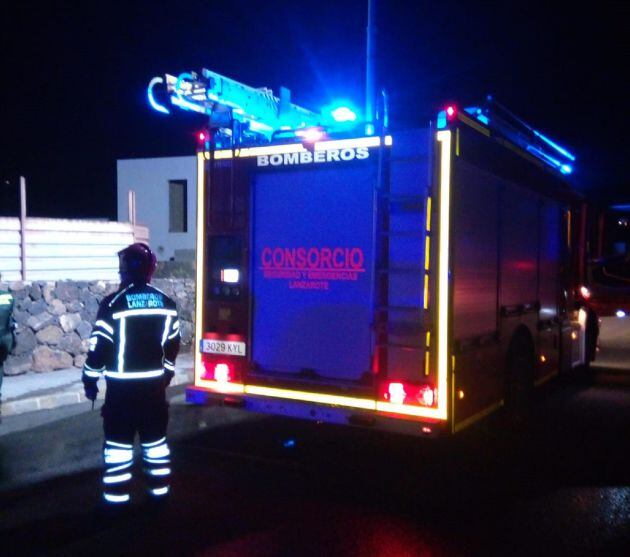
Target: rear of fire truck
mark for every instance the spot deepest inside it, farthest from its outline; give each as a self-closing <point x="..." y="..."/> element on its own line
<point x="344" y="278"/>
<point x="392" y="280"/>
<point x="315" y="262"/>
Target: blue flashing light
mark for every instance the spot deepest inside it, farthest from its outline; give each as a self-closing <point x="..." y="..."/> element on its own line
<point x="622" y="207"/>
<point x="557" y="147"/>
<point x="340" y="113"/>
<point x="344" y="114"/>
<point x="544" y="156"/>
<point x="369" y="129"/>
<point x="154" y="104"/>
<point x="477" y="113"/>
<point x="441" y="120"/>
<point x="551" y="161"/>
<point x="289" y="444"/>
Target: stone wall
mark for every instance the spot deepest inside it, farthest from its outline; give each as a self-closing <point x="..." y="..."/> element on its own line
<point x="54" y="320"/>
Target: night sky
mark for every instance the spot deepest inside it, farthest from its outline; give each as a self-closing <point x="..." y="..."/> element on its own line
<point x="74" y="78"/>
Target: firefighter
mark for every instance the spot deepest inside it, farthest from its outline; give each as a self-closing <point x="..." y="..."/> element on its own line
<point x="134" y="343"/>
<point x="7" y="328"/>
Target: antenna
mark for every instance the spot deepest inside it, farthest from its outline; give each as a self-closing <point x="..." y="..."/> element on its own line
<point x="370" y="68"/>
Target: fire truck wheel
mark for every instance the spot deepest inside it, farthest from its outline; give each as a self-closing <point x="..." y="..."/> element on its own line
<point x="592" y="335"/>
<point x="584" y="374"/>
<point x="519" y="380"/>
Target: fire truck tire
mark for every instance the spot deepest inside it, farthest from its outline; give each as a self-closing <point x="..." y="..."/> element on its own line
<point x="584" y="374"/>
<point x="519" y="379"/>
<point x="592" y="336"/>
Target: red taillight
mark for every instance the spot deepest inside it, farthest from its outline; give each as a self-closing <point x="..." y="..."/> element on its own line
<point x="451" y="112"/>
<point x="398" y="392"/>
<point x="585" y="292"/>
<point x="202" y="136"/>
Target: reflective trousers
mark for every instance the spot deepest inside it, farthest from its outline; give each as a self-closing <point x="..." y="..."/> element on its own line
<point x="135" y="406"/>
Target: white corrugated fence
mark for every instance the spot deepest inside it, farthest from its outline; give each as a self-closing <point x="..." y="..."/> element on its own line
<point x="58" y="249"/>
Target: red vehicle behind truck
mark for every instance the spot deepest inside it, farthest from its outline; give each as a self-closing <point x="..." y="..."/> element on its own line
<point x="415" y="281"/>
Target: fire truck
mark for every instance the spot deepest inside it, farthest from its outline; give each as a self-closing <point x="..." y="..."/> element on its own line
<point x="413" y="280"/>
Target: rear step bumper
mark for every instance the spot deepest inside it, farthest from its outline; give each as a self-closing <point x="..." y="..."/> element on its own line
<point x="318" y="412"/>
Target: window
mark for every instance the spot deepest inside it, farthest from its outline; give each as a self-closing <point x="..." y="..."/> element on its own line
<point x="177" y="214"/>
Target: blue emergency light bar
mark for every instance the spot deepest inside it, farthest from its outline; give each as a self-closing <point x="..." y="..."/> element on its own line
<point x="224" y="100"/>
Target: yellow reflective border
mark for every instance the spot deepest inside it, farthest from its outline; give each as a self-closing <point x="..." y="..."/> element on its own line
<point x="201" y="190"/>
<point x="478" y="416"/>
<point x="439" y="413"/>
<point x="320" y="398"/>
<point x="222" y="388"/>
<point x="473" y="124"/>
<point x="306" y="396"/>
<point x="443" y="294"/>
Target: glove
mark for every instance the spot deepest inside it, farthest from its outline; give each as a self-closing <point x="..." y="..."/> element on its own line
<point x="168" y="376"/>
<point x="91" y="390"/>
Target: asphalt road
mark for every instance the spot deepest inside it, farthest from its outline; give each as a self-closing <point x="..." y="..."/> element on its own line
<point x="249" y="485"/>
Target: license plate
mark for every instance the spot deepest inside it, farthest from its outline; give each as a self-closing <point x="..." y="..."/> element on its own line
<point x="226" y="347"/>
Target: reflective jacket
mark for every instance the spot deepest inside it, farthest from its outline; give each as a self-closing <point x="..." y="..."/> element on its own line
<point x="135" y="336"/>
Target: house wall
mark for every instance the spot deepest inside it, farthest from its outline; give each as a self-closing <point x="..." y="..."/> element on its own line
<point x="149" y="178"/>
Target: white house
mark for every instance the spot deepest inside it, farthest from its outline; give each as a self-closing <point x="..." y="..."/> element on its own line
<point x="165" y="201"/>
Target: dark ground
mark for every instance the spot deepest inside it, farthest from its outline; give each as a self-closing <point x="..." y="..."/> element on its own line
<point x="558" y="487"/>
